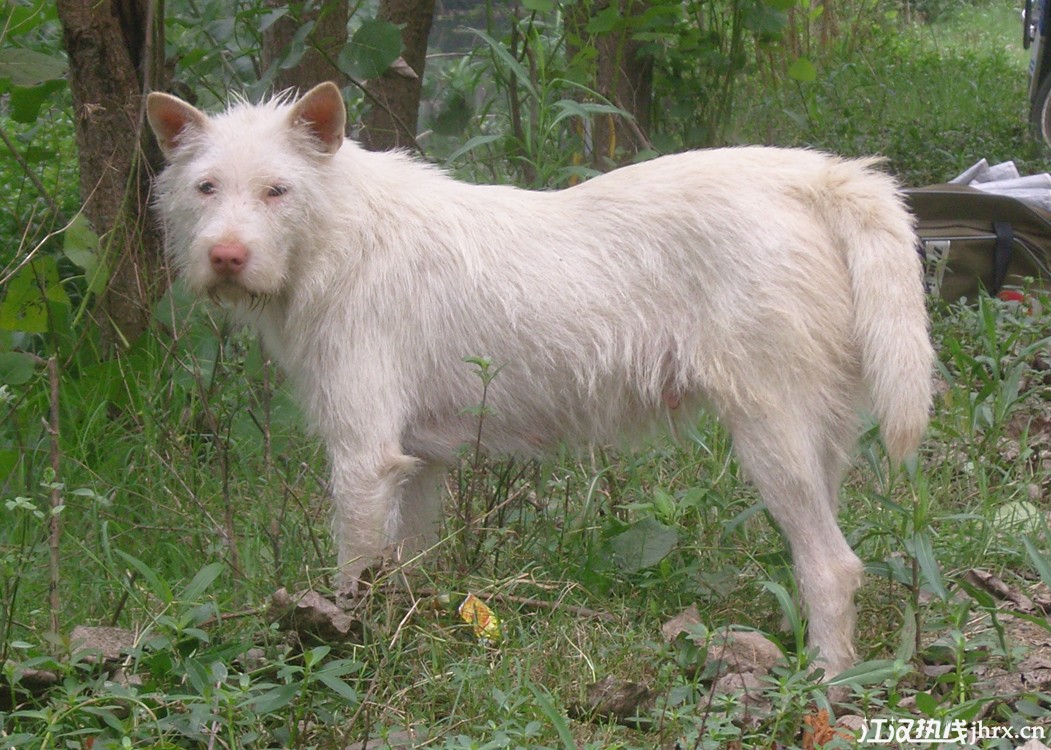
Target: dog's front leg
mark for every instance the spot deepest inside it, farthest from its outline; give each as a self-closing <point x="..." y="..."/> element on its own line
<point x="367" y="489"/>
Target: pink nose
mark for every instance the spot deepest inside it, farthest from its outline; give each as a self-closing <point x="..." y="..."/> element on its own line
<point x="228" y="258"/>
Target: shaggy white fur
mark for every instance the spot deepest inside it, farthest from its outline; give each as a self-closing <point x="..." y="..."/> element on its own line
<point x="779" y="288"/>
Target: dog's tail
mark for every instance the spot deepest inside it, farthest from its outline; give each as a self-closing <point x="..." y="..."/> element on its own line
<point x="890" y="316"/>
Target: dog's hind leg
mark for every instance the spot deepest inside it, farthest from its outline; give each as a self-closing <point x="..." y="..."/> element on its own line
<point x="790" y="457"/>
<point x="419" y="511"/>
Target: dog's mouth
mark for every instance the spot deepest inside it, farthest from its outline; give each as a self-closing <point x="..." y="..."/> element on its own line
<point x="225" y="292"/>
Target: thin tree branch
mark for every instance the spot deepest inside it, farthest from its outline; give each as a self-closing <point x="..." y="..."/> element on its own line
<point x="55" y="526"/>
<point x="29" y="173"/>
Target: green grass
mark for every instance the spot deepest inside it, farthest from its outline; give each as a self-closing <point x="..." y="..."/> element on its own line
<point x="191" y="494"/>
<point x="211" y="660"/>
<point x="932" y="99"/>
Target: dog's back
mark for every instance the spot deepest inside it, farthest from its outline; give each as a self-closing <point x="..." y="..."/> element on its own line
<point x="644" y="293"/>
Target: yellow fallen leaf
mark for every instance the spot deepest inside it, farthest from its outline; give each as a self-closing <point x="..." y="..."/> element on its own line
<point x="484" y="622"/>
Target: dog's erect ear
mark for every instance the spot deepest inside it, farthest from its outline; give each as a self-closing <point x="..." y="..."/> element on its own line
<point x="322" y="111"/>
<point x="172" y="120"/>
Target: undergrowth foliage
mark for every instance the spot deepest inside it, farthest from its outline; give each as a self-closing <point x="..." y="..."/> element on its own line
<point x="169" y="492"/>
<point x="582" y="558"/>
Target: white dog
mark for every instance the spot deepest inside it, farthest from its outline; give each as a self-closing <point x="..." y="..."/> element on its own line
<point x="780" y="289"/>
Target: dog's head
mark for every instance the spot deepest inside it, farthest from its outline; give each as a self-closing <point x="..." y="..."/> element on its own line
<point x="243" y="189"/>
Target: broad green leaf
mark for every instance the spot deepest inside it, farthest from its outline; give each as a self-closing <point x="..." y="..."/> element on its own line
<point x="513" y="65"/>
<point x="16" y="368"/>
<point x="9" y="460"/>
<point x="585" y="110"/>
<point x="80" y="244"/>
<point x="33" y="296"/>
<point x="790" y="611"/>
<point x="539" y="6"/>
<point x="26" y="101"/>
<point x="158" y="586"/>
<point x="766" y="22"/>
<point x="316" y="655"/>
<point x="198" y="677"/>
<point x="471" y="145"/>
<point x="923" y="551"/>
<point x="200" y="583"/>
<point x="375" y="45"/>
<point x="26" y="67"/>
<point x="1018" y="517"/>
<point x="454" y="115"/>
<point x="869" y="672"/>
<point x="604" y="21"/>
<point x="927" y="703"/>
<point x="802" y="70"/>
<point x="275" y="699"/>
<point x="1039" y="560"/>
<point x="907" y="637"/>
<point x="340" y="667"/>
<point x="271" y="17"/>
<point x="643" y="545"/>
<point x="25" y="17"/>
<point x="176" y="310"/>
<point x="339" y="687"/>
<point x="297" y="47"/>
<point x="554" y="716"/>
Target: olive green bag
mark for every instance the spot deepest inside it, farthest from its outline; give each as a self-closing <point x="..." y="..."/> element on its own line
<point x="973" y="240"/>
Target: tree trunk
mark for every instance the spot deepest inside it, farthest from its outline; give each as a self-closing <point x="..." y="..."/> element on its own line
<point x="624" y="77"/>
<point x="326" y="40"/>
<point x="111" y="56"/>
<point x="395" y="95"/>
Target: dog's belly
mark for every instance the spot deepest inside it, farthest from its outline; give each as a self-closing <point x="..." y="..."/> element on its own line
<point x="525" y="421"/>
<point x="447" y="440"/>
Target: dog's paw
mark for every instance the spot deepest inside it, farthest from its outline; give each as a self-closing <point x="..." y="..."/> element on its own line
<point x="351" y="594"/>
<point x="355" y="588"/>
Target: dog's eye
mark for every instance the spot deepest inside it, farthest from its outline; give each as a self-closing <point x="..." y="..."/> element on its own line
<point x="276" y="191"/>
<point x="207" y="187"/>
